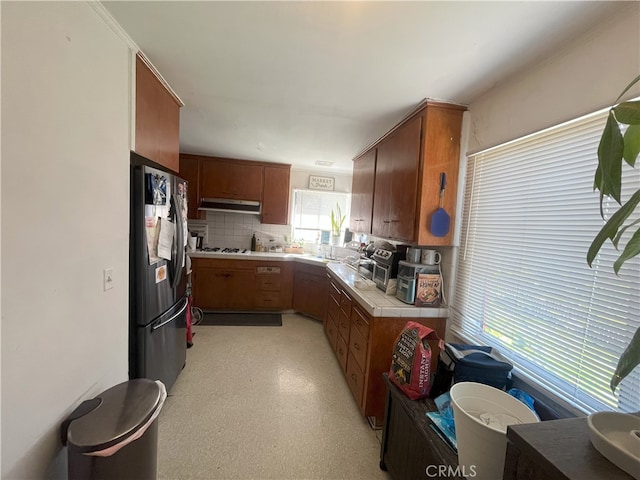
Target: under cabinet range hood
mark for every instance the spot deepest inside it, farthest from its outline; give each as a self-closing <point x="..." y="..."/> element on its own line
<point x="230" y="205"/>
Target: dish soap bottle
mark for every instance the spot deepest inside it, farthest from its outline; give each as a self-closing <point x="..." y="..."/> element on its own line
<point x="253" y="243"/>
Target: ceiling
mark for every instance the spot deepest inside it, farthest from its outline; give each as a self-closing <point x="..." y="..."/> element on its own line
<point x="306" y="82"/>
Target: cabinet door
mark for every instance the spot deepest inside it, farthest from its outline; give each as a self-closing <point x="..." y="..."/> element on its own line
<point x="231" y="179"/>
<point x="364" y="169"/>
<point x="275" y="195"/>
<point x="310" y="294"/>
<point x="190" y="171"/>
<point x="223" y="289"/>
<point x="404" y="180"/>
<point x="382" y="194"/>
<point x="157" y="119"/>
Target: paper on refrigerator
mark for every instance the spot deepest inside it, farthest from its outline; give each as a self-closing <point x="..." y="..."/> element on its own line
<point x="165" y="240"/>
<point x="152" y="227"/>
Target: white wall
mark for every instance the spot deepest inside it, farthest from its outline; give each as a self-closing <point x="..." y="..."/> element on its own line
<point x="65" y="202"/>
<point x="585" y="76"/>
<point x="300" y="179"/>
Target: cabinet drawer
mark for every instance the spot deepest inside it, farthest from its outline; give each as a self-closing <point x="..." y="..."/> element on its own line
<point x="345" y="304"/>
<point x="334" y="310"/>
<point x="358" y="347"/>
<point x="268" y="282"/>
<point x="267" y="300"/>
<point x="344" y="326"/>
<point x="334" y="292"/>
<point x="355" y="379"/>
<point x="332" y="333"/>
<point x="342" y="351"/>
<point x="359" y="319"/>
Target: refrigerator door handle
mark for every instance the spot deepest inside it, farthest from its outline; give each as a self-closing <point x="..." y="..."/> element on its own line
<point x="177" y="207"/>
<point x="173" y="317"/>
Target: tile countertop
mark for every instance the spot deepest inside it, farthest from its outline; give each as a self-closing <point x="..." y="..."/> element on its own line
<point x="276" y="257"/>
<point x="375" y="302"/>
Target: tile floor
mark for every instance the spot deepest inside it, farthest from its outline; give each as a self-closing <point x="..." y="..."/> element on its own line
<point x="264" y="403"/>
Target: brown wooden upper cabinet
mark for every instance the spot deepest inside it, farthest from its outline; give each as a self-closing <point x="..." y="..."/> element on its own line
<point x="190" y="171"/>
<point x="212" y="177"/>
<point x="275" y="194"/>
<point x="362" y="189"/>
<point x="157" y="123"/>
<point x="409" y="161"/>
<point x="394" y="204"/>
<point x="231" y="179"/>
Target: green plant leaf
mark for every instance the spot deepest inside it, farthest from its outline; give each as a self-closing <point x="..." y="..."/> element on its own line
<point x="597" y="179"/>
<point x="628" y="113"/>
<point x="610" y="228"/>
<point x="610" y="158"/>
<point x="337" y="220"/>
<point x="621" y="232"/>
<point x="631" y="144"/>
<point x="628" y="361"/>
<point x="630" y="250"/>
<point x="633" y="82"/>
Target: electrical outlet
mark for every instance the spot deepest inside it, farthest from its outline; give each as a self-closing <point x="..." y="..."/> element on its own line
<point x="107" y="277"/>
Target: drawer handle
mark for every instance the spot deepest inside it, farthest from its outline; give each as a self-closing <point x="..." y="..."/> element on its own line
<point x="340" y="351"/>
<point x="356" y="346"/>
<point x="353" y="377"/>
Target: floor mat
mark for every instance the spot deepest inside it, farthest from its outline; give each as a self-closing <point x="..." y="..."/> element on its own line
<point x="243" y="319"/>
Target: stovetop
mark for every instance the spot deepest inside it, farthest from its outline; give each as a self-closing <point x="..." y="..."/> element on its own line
<point x="225" y="250"/>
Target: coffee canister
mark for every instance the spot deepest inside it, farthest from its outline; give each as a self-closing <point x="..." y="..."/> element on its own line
<point x="413" y="255"/>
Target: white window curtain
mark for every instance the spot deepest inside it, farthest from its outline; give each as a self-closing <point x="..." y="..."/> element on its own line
<point x="523" y="284"/>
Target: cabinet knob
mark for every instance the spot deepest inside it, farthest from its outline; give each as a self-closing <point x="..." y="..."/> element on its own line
<point x="353" y="377"/>
<point x="356" y="346"/>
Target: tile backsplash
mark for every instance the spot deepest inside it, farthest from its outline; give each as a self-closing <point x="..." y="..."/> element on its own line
<point x="235" y="230"/>
<point x="224" y="229"/>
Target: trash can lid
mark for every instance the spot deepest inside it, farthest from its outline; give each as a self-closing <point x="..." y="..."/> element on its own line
<point x="123" y="409"/>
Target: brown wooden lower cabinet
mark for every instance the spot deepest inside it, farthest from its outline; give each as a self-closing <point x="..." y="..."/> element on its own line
<point x="310" y="290"/>
<point x="369" y="344"/>
<point x="226" y="284"/>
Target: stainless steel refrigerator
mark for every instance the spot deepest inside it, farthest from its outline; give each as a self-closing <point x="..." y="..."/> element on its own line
<point x="157" y="274"/>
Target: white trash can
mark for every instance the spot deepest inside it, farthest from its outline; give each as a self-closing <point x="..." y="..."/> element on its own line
<point x="481" y="414"/>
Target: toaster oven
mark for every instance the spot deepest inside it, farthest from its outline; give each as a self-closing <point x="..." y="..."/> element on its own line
<point x="407" y="279"/>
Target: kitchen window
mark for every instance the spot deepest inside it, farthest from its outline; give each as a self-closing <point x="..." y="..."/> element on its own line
<point x="312" y="213"/>
<point x="523" y="283"/>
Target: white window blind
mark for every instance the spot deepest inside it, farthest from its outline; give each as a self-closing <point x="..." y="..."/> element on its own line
<point x="523" y="284"/>
<point x="312" y="212"/>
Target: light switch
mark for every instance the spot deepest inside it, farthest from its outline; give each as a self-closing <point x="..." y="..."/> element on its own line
<point x="107" y="277"/>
